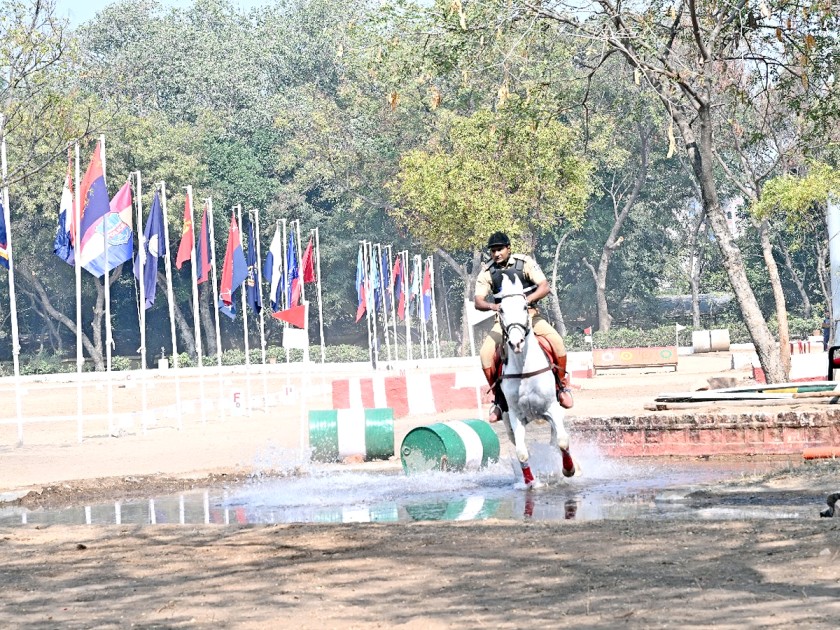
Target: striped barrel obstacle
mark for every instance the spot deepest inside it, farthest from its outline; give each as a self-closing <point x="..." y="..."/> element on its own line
<point x="338" y="433"/>
<point x="457" y="445"/>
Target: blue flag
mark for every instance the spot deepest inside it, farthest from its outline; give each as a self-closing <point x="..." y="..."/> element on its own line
<point x="152" y="247"/>
<point x="4" y="252"/>
<point x="292" y="289"/>
<point x="63" y="242"/>
<point x="234" y="270"/>
<point x="254" y="293"/>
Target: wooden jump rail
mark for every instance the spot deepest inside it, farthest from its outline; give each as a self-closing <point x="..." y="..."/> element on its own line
<point x="617" y="358"/>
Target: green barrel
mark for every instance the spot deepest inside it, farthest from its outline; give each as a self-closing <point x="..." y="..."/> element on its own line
<point x="470" y="509"/>
<point x="338" y="433"/>
<point x="457" y="445"/>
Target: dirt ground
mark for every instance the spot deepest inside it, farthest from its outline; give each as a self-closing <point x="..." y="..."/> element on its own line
<point x="753" y="573"/>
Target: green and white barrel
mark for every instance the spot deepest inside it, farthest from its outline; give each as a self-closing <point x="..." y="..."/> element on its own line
<point x="338" y="433"/>
<point x="457" y="445"/>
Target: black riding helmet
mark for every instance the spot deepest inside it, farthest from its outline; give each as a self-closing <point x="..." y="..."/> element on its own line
<point x="498" y="239"/>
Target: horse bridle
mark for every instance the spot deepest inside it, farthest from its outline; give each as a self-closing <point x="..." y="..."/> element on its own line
<point x="526" y="328"/>
<point x="506" y="328"/>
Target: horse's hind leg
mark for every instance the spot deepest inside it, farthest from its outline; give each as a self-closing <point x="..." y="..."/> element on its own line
<point x="560" y="439"/>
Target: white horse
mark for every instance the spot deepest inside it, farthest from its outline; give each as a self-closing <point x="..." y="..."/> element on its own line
<point x="527" y="381"/>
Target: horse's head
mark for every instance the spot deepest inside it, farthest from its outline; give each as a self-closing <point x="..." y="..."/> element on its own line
<point x="513" y="312"/>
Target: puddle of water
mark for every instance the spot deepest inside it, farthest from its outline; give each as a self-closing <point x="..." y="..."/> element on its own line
<point x="608" y="489"/>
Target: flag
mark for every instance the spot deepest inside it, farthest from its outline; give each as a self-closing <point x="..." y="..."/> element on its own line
<point x="152" y="247"/>
<point x="99" y="217"/>
<point x="202" y="251"/>
<point x="292" y="290"/>
<point x="307" y="264"/>
<point x="587" y="331"/>
<point x="427" y="292"/>
<point x="387" y="289"/>
<point x="234" y="270"/>
<point x="63" y="242"/>
<point x="414" y="292"/>
<point x="679" y="328"/>
<point x="273" y="271"/>
<point x="397" y="286"/>
<point x="296" y="315"/>
<point x="360" y="285"/>
<point x="185" y="248"/>
<point x="119" y="225"/>
<point x="252" y="285"/>
<point x="375" y="294"/>
<point x="4" y="241"/>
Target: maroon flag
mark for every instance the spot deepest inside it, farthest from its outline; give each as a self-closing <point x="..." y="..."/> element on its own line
<point x="307" y="264"/>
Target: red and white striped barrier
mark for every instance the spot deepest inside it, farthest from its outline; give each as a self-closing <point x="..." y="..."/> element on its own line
<point x="410" y="393"/>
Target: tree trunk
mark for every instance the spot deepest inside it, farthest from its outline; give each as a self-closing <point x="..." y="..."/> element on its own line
<point x="468" y="278"/>
<point x="807" y="309"/>
<point x="614" y="241"/>
<point x="556" y="311"/>
<point x="778" y="297"/>
<point x="46" y="304"/>
<point x="701" y="158"/>
<point x="694" y="270"/>
<point x="208" y="325"/>
<point x="182" y="325"/>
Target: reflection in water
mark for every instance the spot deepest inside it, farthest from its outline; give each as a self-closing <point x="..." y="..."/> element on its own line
<point x="609" y="489"/>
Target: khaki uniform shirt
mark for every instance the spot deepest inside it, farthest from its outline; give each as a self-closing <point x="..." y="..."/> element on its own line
<point x="531" y="270"/>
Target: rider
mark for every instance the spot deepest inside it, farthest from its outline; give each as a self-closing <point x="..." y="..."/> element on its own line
<point x="489" y="282"/>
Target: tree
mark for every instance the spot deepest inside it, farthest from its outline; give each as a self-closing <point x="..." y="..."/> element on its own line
<point x="687" y="53"/>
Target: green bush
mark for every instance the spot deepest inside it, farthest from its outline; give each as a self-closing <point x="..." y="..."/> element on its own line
<point x="122" y="363"/>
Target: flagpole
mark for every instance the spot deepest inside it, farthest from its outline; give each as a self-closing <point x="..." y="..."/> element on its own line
<point x="141" y="259"/>
<point x="242" y="290"/>
<point x="215" y="295"/>
<point x="283" y="300"/>
<point x="77" y="263"/>
<point x="196" y="309"/>
<point x="393" y="303"/>
<point x="170" y="296"/>
<point x="302" y="286"/>
<point x="320" y="302"/>
<point x="107" y="276"/>
<point x="433" y="306"/>
<point x="409" y="351"/>
<point x="366" y="285"/>
<point x="258" y="287"/>
<point x="141" y="264"/>
<point x="384" y="296"/>
<point x="194" y="274"/>
<point x="7" y="214"/>
<point x="212" y="233"/>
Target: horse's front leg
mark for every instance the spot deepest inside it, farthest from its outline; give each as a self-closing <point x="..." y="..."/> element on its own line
<point x="516" y="431"/>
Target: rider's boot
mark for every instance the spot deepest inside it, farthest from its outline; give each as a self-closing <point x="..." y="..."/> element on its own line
<point x="564" y="392"/>
<point x="498" y="406"/>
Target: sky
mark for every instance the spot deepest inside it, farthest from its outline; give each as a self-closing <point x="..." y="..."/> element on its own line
<point x="79" y="11"/>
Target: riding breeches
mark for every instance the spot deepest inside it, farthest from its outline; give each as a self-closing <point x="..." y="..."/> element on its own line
<point x="541" y="328"/>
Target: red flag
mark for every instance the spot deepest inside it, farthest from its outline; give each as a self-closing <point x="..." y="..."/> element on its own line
<point x="308" y="266"/>
<point x="296" y="315"/>
<point x="587" y="331"/>
<point x="362" y="302"/>
<point x="185" y="248"/>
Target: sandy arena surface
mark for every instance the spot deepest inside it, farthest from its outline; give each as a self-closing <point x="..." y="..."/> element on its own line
<point x="629" y="573"/>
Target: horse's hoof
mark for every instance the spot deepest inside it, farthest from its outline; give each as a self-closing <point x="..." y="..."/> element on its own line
<point x="570" y="469"/>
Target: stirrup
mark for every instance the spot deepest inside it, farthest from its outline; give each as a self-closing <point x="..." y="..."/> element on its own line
<point x="495" y="413"/>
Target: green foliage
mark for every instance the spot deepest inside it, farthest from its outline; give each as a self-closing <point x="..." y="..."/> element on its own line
<point x="494" y="170"/>
<point x="120" y="363"/>
<point x="44" y="363"/>
<point x="795" y="197"/>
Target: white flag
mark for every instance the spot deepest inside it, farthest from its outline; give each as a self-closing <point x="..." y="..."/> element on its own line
<point x="273" y="270"/>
